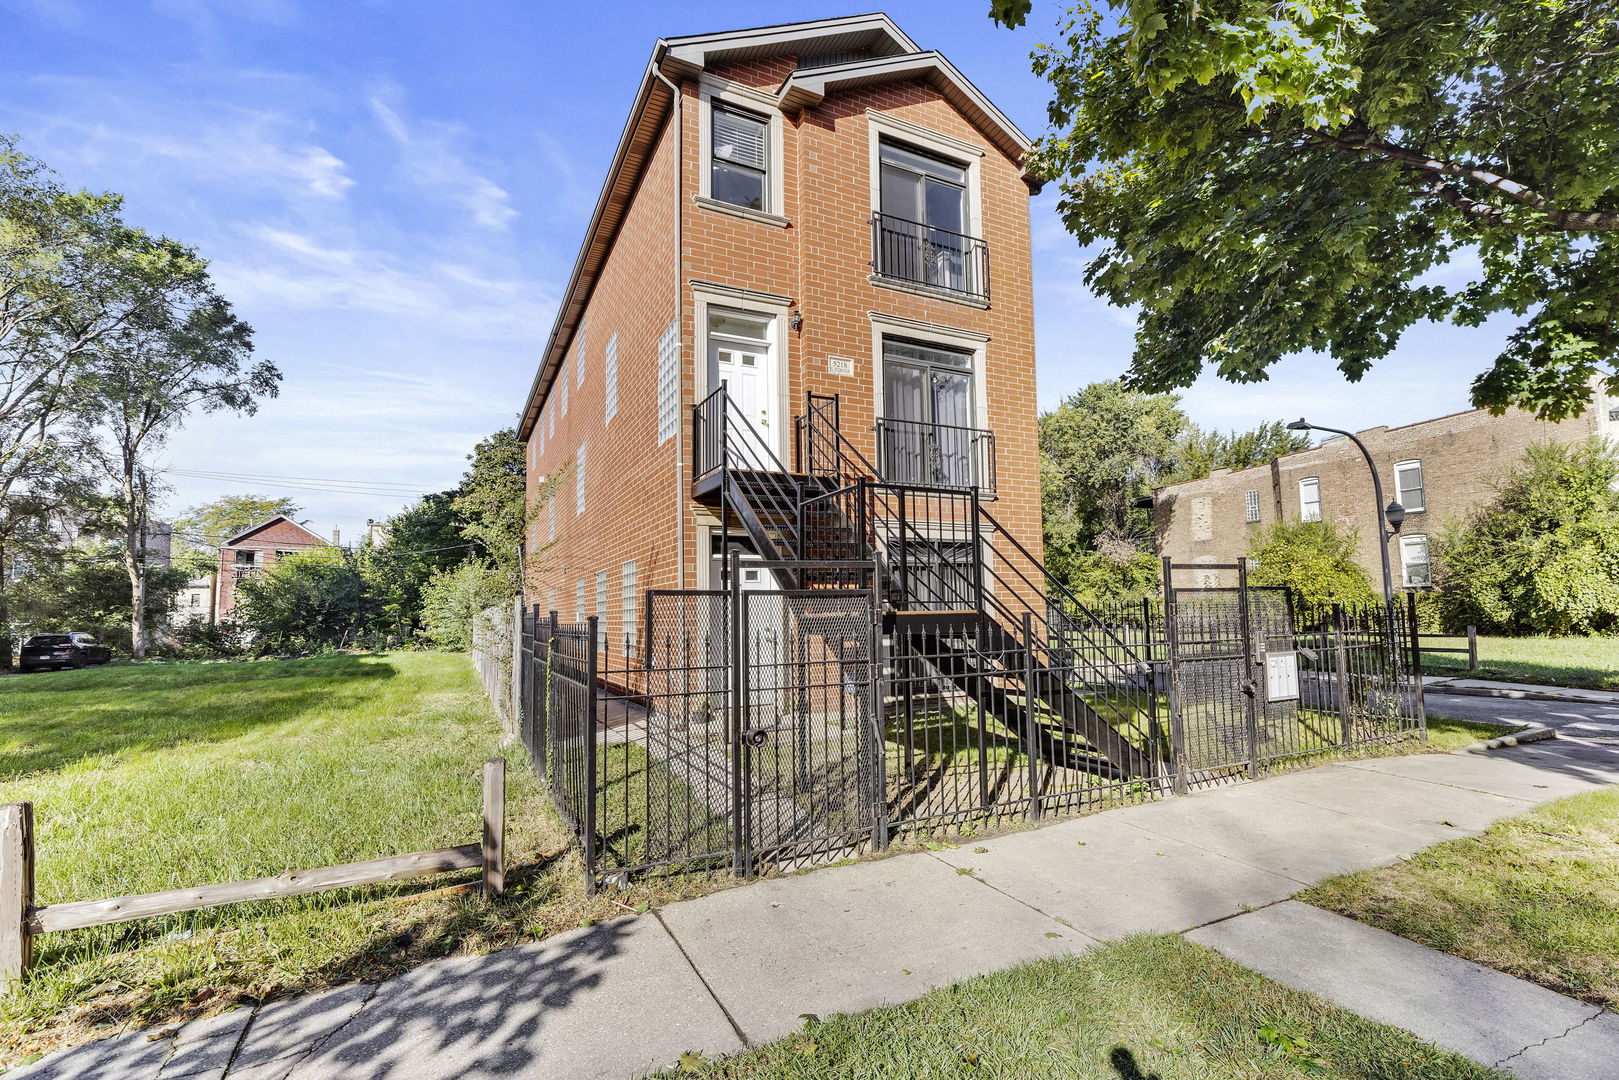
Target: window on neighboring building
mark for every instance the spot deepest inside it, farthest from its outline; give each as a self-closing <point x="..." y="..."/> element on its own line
<point x="669" y="382"/>
<point x="579" y="481"/>
<point x="196" y="599"/>
<point x="1310" y="499"/>
<point x="627" y="599"/>
<point x="740" y="150"/>
<point x="245" y="558"/>
<point x="1408" y="485"/>
<point x="610" y="377"/>
<point x="1414" y="567"/>
<point x="579" y="613"/>
<point x="601" y="608"/>
<point x="1250" y="506"/>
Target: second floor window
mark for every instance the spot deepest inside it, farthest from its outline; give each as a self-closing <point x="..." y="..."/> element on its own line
<point x="925" y="432"/>
<point x="1408" y="485"/>
<point x="740" y="151"/>
<point x="1250" y="507"/>
<point x="1310" y="499"/>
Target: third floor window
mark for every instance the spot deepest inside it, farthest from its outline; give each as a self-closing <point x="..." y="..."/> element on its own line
<point x="1408" y="486"/>
<point x="1310" y="499"/>
<point x="740" y="143"/>
<point x="923" y="224"/>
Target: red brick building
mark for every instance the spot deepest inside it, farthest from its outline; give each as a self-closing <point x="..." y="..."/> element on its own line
<point x="253" y="552"/>
<point x="818" y="208"/>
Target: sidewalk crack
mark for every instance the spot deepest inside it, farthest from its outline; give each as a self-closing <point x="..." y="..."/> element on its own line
<point x="712" y="996"/>
<point x="294" y="1060"/>
<point x="1550" y="1038"/>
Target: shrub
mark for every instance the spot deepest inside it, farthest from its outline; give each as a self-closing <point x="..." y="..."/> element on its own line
<point x="1315" y="559"/>
<point x="1542" y="557"/>
<point x="453" y="598"/>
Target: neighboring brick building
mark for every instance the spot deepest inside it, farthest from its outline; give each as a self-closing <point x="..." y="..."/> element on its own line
<point x="1437" y="469"/>
<point x="254" y="551"/>
<point x="819" y="207"/>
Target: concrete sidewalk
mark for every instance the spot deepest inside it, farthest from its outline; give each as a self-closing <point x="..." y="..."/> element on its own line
<point x="1447" y="684"/>
<point x="740" y="967"/>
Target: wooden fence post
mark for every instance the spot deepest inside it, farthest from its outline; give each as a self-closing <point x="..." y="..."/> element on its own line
<point x="1472" y="648"/>
<point x="16" y="892"/>
<point x="494" y="826"/>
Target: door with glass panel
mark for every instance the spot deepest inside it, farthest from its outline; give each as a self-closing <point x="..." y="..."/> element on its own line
<point x="739" y="359"/>
<point x="926" y="430"/>
<point x="924" y="219"/>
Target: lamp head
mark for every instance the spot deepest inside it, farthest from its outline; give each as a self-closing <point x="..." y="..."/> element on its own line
<point x="1300" y="424"/>
<point x="1394" y="514"/>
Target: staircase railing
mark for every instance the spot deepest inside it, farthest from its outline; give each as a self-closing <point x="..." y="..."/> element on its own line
<point x="725" y="441"/>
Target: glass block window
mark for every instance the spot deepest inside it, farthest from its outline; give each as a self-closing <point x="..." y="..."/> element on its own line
<point x="627" y="598"/>
<point x="579" y="481"/>
<point x="669" y="382"/>
<point x="579" y="358"/>
<point x="1250" y="507"/>
<point x="610" y="377"/>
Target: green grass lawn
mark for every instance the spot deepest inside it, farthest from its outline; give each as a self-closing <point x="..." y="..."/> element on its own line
<point x="1536" y="896"/>
<point x="1590" y="663"/>
<point x="1145" y="1008"/>
<point x="158" y="776"/>
<point x="1447" y="735"/>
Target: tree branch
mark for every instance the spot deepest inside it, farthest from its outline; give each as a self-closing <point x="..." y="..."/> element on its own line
<point x="1551" y="217"/>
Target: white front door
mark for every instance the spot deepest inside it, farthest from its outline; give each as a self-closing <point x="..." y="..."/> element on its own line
<point x="740" y="359"/>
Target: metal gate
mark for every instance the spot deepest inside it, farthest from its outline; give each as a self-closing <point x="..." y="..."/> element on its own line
<point x="810" y="748"/>
<point x="1254" y="680"/>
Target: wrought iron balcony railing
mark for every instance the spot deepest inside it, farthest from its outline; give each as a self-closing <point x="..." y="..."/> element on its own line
<point x="935" y="455"/>
<point x="919" y="254"/>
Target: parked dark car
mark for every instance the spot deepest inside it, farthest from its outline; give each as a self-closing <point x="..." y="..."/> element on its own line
<point x="63" y="651"/>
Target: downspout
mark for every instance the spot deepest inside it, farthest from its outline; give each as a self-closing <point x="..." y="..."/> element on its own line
<point x="680" y="311"/>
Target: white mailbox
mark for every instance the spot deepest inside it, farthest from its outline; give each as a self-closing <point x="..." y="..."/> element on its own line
<point x="1282" y="676"/>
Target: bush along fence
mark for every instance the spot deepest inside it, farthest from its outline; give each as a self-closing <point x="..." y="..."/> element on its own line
<point x="21" y="921"/>
<point x="742" y="729"/>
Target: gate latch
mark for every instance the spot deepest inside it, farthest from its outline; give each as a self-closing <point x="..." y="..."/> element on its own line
<point x="1250" y="687"/>
<point x="756" y="736"/>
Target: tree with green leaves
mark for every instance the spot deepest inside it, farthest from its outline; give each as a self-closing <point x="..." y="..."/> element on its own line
<point x="1314" y="559"/>
<point x="1101" y="451"/>
<point x="1265" y="179"/>
<point x="1542" y="557"/>
<point x="491" y="502"/>
<point x="184" y="350"/>
<point x="200" y="530"/>
<point x="423" y="540"/>
<point x="1200" y="452"/>
<point x="84" y="588"/>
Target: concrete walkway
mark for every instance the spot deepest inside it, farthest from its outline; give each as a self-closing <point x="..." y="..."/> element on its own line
<point x="740" y="967"/>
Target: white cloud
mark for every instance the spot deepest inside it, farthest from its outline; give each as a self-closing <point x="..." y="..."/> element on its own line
<point x="429" y="159"/>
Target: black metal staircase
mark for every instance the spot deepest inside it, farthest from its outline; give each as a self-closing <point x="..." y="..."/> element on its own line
<point x="959" y="592"/>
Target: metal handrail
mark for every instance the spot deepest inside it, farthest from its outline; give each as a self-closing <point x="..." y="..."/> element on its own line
<point x="956" y="263"/>
<point x="896" y="437"/>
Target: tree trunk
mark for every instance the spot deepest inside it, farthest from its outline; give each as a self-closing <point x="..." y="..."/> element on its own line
<point x="5" y="616"/>
<point x="135" y="554"/>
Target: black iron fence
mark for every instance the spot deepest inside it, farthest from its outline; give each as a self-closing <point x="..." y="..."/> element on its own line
<point x="744" y="729"/>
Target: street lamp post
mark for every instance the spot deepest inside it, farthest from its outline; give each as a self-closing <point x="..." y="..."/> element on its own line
<point x="1393" y="514"/>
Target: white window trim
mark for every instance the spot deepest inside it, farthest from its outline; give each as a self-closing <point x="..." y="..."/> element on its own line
<point x="966" y="341"/>
<point x="932" y="142"/>
<point x="705" y="297"/>
<point x="1417" y="463"/>
<point x="1406" y="543"/>
<point x="1316" y="481"/>
<point x="711" y="89"/>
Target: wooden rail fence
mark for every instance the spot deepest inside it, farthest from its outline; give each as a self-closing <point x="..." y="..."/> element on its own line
<point x="21" y="921"/>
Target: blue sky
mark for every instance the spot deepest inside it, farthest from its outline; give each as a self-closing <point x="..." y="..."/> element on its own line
<point x="392" y="193"/>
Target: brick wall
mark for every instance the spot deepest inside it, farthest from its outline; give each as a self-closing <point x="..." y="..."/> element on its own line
<point x="638" y="503"/>
<point x="264" y="543"/>
<point x="1462" y="457"/>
